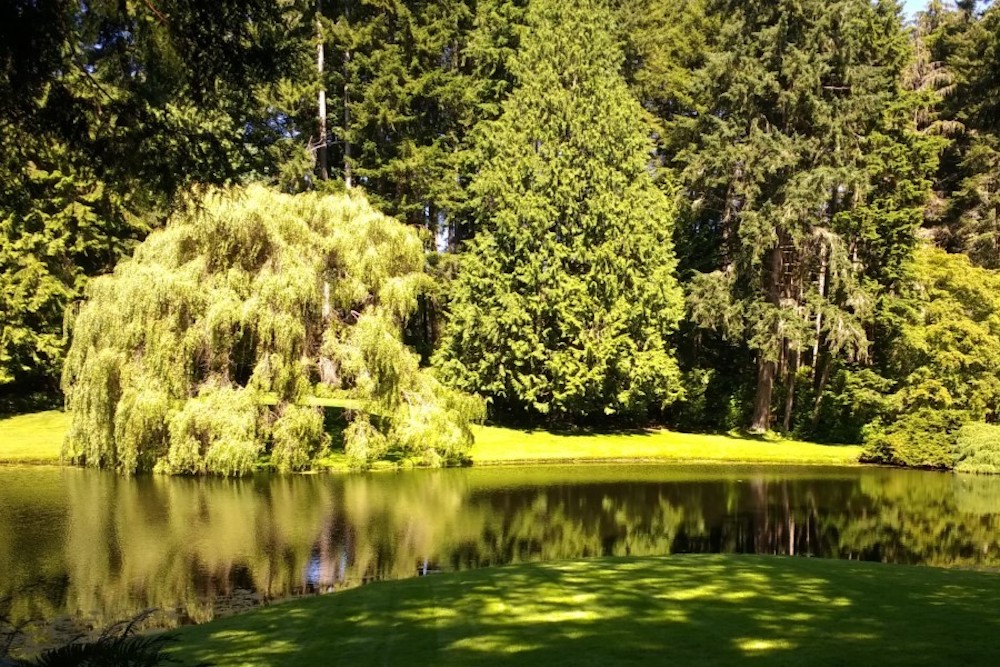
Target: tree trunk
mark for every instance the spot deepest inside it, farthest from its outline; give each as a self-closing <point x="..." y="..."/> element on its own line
<point x="321" y="152"/>
<point x="793" y="368"/>
<point x="762" y="398"/>
<point x="766" y="369"/>
<point x="823" y="369"/>
<point x="348" y="178"/>
<point x="823" y="261"/>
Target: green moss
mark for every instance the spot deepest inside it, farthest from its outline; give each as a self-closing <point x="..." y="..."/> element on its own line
<point x="685" y="610"/>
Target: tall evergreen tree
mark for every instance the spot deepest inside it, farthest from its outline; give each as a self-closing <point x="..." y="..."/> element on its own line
<point x="567" y="296"/>
<point x="407" y="80"/>
<point x="971" y="49"/>
<point x="807" y="175"/>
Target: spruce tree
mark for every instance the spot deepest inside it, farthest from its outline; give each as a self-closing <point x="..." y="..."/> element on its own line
<point x="567" y="296"/>
<point x="969" y="46"/>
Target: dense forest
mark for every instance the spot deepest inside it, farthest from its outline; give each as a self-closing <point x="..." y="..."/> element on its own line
<point x="704" y="214"/>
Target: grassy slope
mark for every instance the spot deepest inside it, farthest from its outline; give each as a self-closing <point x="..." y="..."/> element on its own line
<point x="33" y="438"/>
<point x="705" y="610"/>
<point x="37" y="438"/>
<point x="501" y="445"/>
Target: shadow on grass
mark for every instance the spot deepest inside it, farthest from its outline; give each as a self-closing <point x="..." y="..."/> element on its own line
<point x="678" y="610"/>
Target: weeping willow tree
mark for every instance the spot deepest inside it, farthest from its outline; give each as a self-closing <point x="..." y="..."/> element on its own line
<point x="196" y="355"/>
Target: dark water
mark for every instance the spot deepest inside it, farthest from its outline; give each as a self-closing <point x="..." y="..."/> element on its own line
<point x="81" y="549"/>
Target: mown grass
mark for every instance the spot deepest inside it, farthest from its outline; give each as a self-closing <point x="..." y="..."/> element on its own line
<point x="34" y="438"/>
<point x="38" y="437"/>
<point x="686" y="610"/>
<point x="508" y="446"/>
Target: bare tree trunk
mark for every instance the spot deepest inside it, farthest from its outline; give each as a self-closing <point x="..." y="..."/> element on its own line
<point x="762" y="397"/>
<point x="822" y="293"/>
<point x="790" y="390"/>
<point x="348" y="178"/>
<point x="321" y="152"/>
<point x="823" y="367"/>
<point x="766" y="369"/>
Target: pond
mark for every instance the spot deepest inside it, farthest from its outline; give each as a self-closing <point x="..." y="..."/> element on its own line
<point x="81" y="549"/>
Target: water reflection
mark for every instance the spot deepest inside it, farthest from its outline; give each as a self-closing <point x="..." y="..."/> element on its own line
<point x="98" y="548"/>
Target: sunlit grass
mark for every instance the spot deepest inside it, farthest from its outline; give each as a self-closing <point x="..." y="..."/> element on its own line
<point x="38" y="437"/>
<point x="496" y="445"/>
<point x="33" y="438"/>
<point x="705" y="610"/>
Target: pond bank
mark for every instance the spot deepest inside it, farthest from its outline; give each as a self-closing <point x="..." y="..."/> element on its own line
<point x="614" y="611"/>
<point x="37" y="439"/>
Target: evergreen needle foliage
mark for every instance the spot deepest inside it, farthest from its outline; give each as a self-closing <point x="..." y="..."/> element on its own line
<point x="248" y="295"/>
<point x="567" y="296"/>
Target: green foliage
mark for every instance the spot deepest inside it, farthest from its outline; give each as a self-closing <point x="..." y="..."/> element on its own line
<point x="805" y="177"/>
<point x="965" y="49"/>
<point x="107" y="109"/>
<point x="215" y="431"/>
<point x="946" y="362"/>
<point x="853" y="399"/>
<point x="249" y="294"/>
<point x="406" y="83"/>
<point x="299" y="438"/>
<point x="948" y="356"/>
<point x="921" y="439"/>
<point x="665" y="44"/>
<point x="978" y="447"/>
<point x="364" y="443"/>
<point x="567" y="297"/>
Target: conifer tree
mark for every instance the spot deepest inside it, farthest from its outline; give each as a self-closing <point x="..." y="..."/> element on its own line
<point x="407" y="80"/>
<point x="968" y="45"/>
<point x="807" y="175"/>
<point x="567" y="296"/>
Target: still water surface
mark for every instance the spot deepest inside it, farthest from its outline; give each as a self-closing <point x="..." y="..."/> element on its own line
<point x="81" y="549"/>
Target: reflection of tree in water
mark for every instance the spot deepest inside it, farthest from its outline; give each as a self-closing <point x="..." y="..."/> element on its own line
<point x="945" y="520"/>
<point x="184" y="544"/>
<point x="203" y="547"/>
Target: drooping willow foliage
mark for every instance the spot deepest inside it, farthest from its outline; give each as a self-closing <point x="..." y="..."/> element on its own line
<point x="195" y="355"/>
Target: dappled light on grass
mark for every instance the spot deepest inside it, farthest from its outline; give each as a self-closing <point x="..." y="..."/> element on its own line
<point x="685" y="609"/>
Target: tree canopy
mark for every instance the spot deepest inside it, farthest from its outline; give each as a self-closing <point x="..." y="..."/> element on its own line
<point x="567" y="297"/>
<point x="704" y="214"/>
<point x="195" y="354"/>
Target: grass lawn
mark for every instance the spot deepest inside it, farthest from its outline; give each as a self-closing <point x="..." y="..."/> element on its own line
<point x="685" y="610"/>
<point x="508" y="446"/>
<point x="33" y="438"/>
<point x="37" y="438"/>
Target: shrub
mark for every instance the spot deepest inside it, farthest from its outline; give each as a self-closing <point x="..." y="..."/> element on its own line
<point x="978" y="449"/>
<point x="922" y="439"/>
